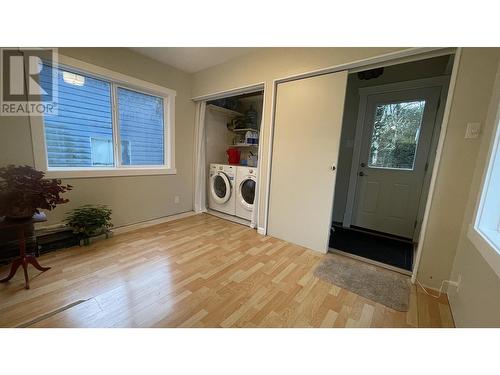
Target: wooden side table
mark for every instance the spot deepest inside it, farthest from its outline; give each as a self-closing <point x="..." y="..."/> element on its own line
<point x="24" y="259"/>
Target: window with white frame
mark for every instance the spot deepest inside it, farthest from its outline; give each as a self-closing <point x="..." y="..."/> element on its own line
<point x="485" y="232"/>
<point x="105" y="126"/>
<point x="488" y="217"/>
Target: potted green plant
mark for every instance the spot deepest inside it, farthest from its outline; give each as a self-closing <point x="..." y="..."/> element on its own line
<point x="24" y="190"/>
<point x="90" y="221"/>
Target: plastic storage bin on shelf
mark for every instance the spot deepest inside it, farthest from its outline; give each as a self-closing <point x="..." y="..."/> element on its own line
<point x="233" y="156"/>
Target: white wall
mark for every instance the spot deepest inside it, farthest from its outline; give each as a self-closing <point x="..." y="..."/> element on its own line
<point x="133" y="199"/>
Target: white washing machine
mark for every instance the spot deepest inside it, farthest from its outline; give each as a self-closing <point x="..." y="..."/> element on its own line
<point x="246" y="181"/>
<point x="221" y="195"/>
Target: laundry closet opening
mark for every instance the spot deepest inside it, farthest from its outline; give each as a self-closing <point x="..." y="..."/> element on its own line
<point x="390" y="132"/>
<point x="232" y="139"/>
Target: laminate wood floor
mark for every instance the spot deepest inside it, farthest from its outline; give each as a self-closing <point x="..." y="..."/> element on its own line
<point x="200" y="271"/>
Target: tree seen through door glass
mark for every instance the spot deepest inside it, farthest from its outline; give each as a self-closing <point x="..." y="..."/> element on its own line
<point x="395" y="135"/>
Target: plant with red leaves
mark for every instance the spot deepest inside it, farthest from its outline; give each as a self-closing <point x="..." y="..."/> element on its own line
<point x="24" y="190"/>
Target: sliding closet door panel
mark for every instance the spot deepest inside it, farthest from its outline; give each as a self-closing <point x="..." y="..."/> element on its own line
<point x="306" y="142"/>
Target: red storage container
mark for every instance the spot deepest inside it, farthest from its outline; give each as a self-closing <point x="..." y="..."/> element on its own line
<point x="233" y="156"/>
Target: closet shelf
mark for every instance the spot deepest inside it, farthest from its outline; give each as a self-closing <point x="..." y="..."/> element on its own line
<point x="223" y="110"/>
<point x="245" y="130"/>
<point x="245" y="145"/>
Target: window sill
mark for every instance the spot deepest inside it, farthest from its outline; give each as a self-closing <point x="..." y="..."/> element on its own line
<point x="108" y="172"/>
<point x="485" y="247"/>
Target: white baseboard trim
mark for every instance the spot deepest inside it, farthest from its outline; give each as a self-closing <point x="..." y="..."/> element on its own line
<point x="145" y="224"/>
<point x="261" y="230"/>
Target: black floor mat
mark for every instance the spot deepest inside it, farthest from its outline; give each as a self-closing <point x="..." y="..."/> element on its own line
<point x="381" y="249"/>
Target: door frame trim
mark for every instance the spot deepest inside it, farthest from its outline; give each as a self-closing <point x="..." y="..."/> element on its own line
<point x="411" y="54"/>
<point x="437" y="162"/>
<point x="364" y="92"/>
<point x="259" y="86"/>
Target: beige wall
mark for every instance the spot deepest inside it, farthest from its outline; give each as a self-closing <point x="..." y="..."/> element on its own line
<point x="471" y="99"/>
<point x="133" y="199"/>
<point x="266" y="65"/>
<point x="476" y="304"/>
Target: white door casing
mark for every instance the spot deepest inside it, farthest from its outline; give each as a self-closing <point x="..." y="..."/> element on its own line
<point x="387" y="193"/>
<point x="308" y="120"/>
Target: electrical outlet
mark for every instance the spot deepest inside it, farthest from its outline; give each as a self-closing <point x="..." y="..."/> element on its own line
<point x="177" y="199"/>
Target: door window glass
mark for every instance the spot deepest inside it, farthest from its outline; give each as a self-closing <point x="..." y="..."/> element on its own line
<point x="248" y="191"/>
<point x="396" y="130"/>
<point x="220" y="186"/>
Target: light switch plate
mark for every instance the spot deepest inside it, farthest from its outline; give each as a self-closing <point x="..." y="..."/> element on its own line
<point x="473" y="130"/>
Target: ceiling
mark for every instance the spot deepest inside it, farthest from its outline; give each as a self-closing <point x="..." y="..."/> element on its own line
<point x="192" y="59"/>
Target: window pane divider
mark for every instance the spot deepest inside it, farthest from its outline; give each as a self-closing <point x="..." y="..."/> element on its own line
<point x="116" y="130"/>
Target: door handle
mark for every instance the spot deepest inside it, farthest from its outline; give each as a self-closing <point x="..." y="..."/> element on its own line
<point x="362" y="165"/>
<point x="333" y="167"/>
<point x="361" y="174"/>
